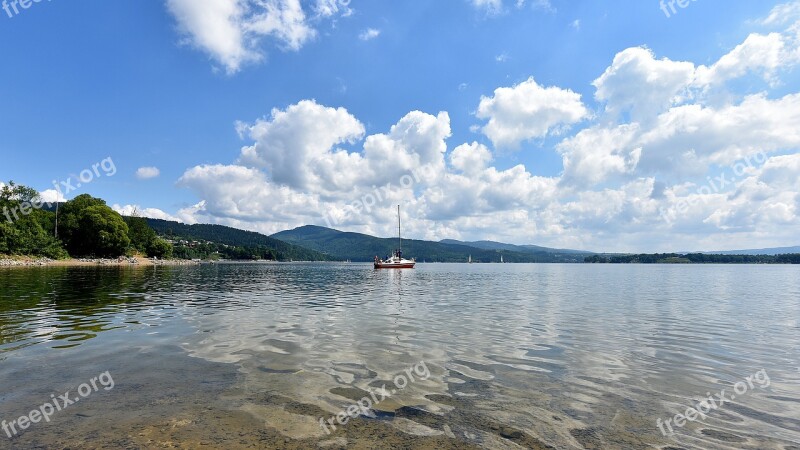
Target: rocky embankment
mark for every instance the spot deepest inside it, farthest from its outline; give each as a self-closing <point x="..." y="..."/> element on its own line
<point x="25" y="262"/>
<point x="121" y="261"/>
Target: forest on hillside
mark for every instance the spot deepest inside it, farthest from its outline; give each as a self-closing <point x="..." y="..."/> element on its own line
<point x="82" y="227"/>
<point x="87" y="227"/>
<point x="205" y="241"/>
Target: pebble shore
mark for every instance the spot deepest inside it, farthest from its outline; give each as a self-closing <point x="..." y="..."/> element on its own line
<point x="121" y="261"/>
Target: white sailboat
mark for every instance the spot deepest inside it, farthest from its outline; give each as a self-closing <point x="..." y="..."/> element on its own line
<point x="396" y="261"/>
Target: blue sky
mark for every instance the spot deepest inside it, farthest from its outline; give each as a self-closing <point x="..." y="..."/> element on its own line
<point x="160" y="84"/>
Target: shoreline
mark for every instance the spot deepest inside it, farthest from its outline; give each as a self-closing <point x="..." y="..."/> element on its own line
<point x="122" y="261"/>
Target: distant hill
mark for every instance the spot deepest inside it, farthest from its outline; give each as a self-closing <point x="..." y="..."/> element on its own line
<point x="761" y="251"/>
<point x="693" y="258"/>
<point x="246" y="244"/>
<point x="492" y="245"/>
<point x="362" y="247"/>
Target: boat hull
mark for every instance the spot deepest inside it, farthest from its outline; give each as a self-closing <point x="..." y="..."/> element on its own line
<point x="381" y="265"/>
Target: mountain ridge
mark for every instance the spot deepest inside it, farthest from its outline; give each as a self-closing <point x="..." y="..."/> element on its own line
<point x="494" y="245"/>
<point x="352" y="246"/>
<point x="251" y="242"/>
<point x="759" y="251"/>
<point x="318" y="243"/>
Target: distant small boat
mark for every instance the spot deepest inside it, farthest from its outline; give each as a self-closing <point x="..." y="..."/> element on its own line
<point x="501" y="259"/>
<point x="470" y="259"/>
<point x="396" y="261"/>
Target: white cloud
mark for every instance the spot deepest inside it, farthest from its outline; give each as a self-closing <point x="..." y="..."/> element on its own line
<point x="576" y="24"/>
<point x="243" y="194"/>
<point x="470" y="158"/>
<point x="705" y="135"/>
<point x="497" y="7"/>
<point x="635" y="178"/>
<point x="763" y="54"/>
<point x="232" y="31"/>
<point x="528" y="111"/>
<point x="332" y="8"/>
<point x="369" y="34"/>
<point x="490" y="6"/>
<point x="295" y="141"/>
<point x="673" y="126"/>
<point x="683" y="141"/>
<point x="594" y="154"/>
<point x="639" y="84"/>
<point x="544" y="5"/>
<point x="49" y="195"/>
<point x="502" y="57"/>
<point x="292" y="174"/>
<point x="216" y="27"/>
<point x="153" y="213"/>
<point x="145" y="173"/>
<point x="783" y="14"/>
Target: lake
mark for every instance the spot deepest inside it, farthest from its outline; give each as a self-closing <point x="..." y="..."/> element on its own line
<point x="311" y="355"/>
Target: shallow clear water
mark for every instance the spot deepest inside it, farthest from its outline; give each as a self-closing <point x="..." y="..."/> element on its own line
<point x="515" y="356"/>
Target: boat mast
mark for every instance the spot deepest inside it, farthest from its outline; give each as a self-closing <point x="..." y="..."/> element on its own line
<point x="399" y="236"/>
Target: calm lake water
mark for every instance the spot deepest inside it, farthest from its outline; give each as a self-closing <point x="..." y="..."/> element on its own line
<point x="494" y="356"/>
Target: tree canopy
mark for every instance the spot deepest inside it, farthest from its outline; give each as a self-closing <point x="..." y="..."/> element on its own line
<point x="144" y="238"/>
<point x="90" y="228"/>
<point x="25" y="229"/>
<point x="86" y="227"/>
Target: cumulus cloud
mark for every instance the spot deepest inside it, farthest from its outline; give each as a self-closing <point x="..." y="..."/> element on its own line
<point x="153" y="213"/>
<point x="595" y="154"/>
<point x="683" y="141"/>
<point x="232" y="31"/>
<point x="528" y="111"/>
<point x="294" y="173"/>
<point x="145" y="173"/>
<point x="661" y="121"/>
<point x="641" y="85"/>
<point x="470" y="158"/>
<point x="49" y="195"/>
<point x="760" y="54"/>
<point x="294" y="142"/>
<point x="638" y="176"/>
<point x="369" y="34"/>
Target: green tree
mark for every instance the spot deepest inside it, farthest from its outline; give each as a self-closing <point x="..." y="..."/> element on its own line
<point x="12" y="194"/>
<point x="25" y="229"/>
<point x="140" y="233"/>
<point x="159" y="248"/>
<point x="90" y="228"/>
